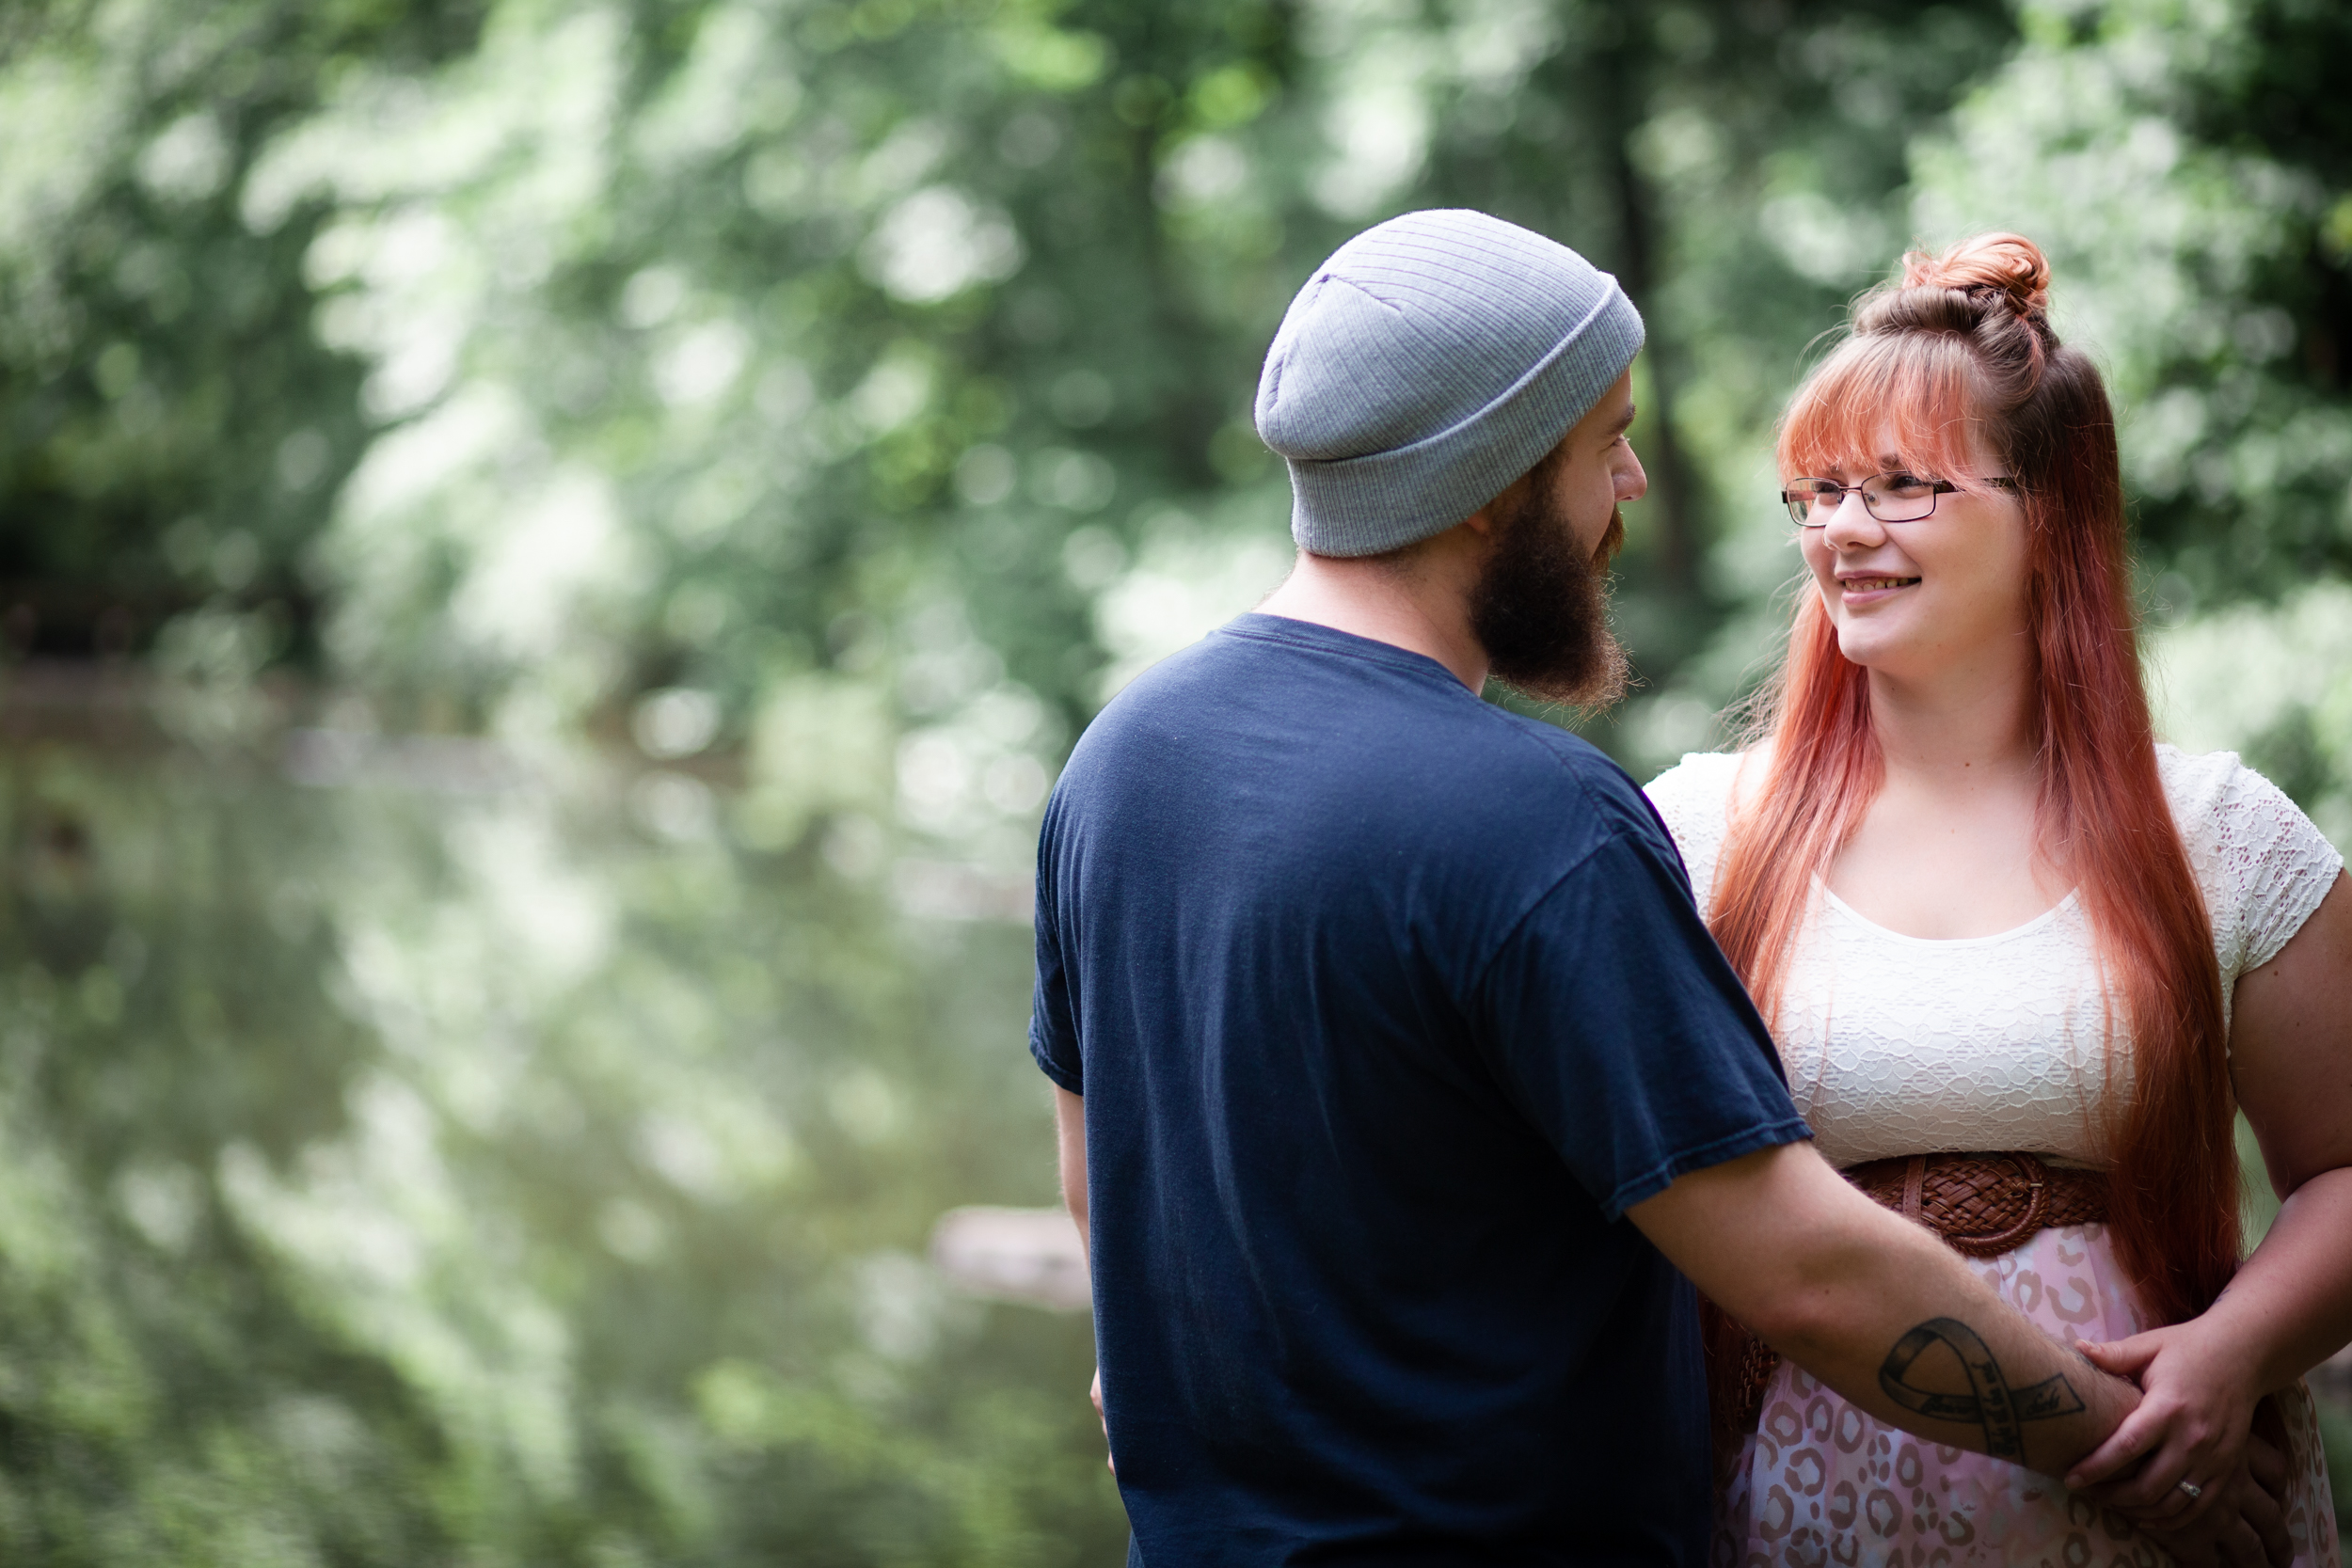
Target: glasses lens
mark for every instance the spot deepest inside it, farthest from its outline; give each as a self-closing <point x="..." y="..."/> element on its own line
<point x="1899" y="498"/>
<point x="1811" y="501"/>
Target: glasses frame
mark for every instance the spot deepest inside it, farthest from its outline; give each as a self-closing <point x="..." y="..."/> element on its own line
<point x="1800" y="508"/>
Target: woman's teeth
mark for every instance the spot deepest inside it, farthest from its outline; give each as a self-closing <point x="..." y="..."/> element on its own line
<point x="1871" y="585"/>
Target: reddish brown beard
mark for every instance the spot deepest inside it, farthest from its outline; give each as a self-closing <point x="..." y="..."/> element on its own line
<point x="1541" y="605"/>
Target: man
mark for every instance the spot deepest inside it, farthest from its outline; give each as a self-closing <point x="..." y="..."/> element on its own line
<point x="1396" y="1074"/>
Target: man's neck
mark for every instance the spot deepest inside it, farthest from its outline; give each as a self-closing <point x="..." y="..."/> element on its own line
<point x="1422" y="607"/>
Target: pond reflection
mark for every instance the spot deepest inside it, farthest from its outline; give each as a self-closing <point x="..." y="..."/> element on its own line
<point x="416" y="1157"/>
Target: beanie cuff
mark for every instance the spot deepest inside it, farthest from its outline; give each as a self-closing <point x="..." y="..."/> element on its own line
<point x="1384" y="501"/>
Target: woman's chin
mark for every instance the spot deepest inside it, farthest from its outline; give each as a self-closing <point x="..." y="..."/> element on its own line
<point x="1890" y="654"/>
<point x="1870" y="646"/>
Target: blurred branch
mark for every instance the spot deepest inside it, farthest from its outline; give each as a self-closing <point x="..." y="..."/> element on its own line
<point x="1625" y="69"/>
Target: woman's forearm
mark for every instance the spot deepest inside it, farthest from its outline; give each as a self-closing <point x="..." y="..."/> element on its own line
<point x="2290" y="1307"/>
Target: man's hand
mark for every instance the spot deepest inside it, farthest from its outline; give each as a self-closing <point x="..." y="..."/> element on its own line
<point x="1095" y="1393"/>
<point x="2242" y="1523"/>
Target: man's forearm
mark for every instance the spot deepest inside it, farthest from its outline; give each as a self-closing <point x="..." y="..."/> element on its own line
<point x="1069" y="1140"/>
<point x="1881" y="1310"/>
<point x="1904" y="1329"/>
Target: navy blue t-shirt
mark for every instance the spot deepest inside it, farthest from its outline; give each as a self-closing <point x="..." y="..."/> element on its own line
<point x="1385" y="1003"/>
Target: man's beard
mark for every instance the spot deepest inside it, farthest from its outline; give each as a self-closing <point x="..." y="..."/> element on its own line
<point x="1541" y="606"/>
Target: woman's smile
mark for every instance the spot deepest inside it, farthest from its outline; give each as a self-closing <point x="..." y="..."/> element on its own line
<point x="1861" y="590"/>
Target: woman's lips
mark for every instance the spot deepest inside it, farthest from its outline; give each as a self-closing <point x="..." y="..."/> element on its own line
<point x="1871" y="590"/>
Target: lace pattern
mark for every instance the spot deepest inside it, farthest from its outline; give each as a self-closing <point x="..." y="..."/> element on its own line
<point x="1899" y="1045"/>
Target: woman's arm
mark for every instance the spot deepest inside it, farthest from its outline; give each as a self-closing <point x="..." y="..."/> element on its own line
<point x="2291" y="1051"/>
<point x="2290" y="1307"/>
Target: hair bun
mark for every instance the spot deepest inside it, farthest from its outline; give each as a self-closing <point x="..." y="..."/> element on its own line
<point x="2008" y="264"/>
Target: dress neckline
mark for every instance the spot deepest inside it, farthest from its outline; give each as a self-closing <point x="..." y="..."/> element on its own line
<point x="2072" y="898"/>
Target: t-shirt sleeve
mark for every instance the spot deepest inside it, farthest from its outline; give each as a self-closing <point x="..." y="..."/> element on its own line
<point x="2286" y="866"/>
<point x="1053" y="1016"/>
<point x="2265" y="866"/>
<point x="1618" y="1026"/>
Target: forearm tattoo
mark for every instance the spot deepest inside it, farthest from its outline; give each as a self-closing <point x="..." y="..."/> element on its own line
<point x="1991" y="1403"/>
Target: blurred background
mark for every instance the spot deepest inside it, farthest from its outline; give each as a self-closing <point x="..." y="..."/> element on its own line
<point x="550" y="550"/>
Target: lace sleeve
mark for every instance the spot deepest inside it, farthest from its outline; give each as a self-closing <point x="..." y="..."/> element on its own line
<point x="2262" y="865"/>
<point x="1691" y="799"/>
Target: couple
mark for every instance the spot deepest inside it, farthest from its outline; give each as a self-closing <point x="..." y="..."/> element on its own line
<point x="1406" y="1068"/>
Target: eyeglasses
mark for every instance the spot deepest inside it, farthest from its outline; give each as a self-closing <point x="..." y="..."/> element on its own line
<point x="1896" y="497"/>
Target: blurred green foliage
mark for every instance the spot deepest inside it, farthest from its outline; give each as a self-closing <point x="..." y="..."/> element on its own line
<point x="517" y="358"/>
<point x="512" y="360"/>
<point x="409" y="1177"/>
<point x="833" y="401"/>
<point x="170" y="422"/>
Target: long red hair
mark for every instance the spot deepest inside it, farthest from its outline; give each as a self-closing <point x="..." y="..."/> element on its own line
<point x="1959" y="350"/>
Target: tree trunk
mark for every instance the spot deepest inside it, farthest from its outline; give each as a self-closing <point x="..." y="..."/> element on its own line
<point x="1624" y="73"/>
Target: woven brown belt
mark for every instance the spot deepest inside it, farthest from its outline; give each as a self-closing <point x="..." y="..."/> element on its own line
<point x="1982" y="1205"/>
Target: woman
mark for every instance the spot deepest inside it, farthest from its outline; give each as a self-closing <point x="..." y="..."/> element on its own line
<point x="1989" y="916"/>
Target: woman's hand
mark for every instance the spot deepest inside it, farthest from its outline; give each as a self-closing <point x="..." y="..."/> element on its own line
<point x="2244" y="1526"/>
<point x="2191" y="1426"/>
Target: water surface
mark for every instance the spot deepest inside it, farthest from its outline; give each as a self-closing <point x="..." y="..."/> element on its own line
<point x="431" y="1158"/>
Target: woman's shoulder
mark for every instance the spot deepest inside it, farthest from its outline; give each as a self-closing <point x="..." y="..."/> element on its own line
<point x="1701" y="781"/>
<point x="2262" y="865"/>
<point x="2207" y="790"/>
<point x="1693" y="798"/>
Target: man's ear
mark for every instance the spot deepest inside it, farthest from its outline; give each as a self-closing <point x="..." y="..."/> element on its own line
<point x="1482" y="522"/>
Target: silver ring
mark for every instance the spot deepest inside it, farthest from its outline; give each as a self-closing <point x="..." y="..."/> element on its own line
<point x="2193" y="1490"/>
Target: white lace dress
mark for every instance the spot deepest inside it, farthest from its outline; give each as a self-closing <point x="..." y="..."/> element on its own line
<point x="1899" y="1045"/>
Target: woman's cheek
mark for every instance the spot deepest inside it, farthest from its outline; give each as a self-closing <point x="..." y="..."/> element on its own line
<point x="1817" y="562"/>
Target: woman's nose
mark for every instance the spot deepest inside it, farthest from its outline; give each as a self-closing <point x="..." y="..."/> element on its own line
<point x="1851" y="526"/>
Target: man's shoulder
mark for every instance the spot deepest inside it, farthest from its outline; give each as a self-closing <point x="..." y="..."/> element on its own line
<point x="1372" y="734"/>
<point x="1190" y="681"/>
<point x="1546" y="746"/>
<point x="1260" y="674"/>
<point x="1256" y="648"/>
<point x="1536" y="760"/>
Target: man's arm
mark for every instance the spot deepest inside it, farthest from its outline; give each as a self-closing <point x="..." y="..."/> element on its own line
<point x="1070" y="1135"/>
<point x="1070" y="1132"/>
<point x="1879" y="1310"/>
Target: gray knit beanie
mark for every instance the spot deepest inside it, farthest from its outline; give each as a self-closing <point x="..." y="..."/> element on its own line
<point x="1431" y="361"/>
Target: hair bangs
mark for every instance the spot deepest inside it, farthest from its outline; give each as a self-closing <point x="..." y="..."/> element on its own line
<point x="1878" y="404"/>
